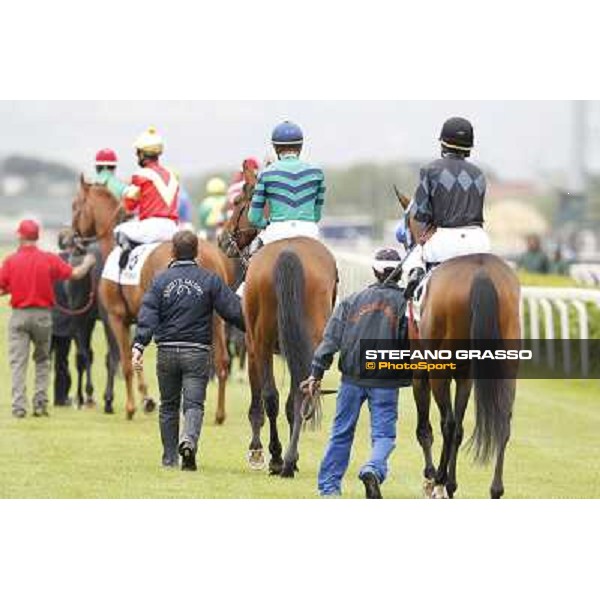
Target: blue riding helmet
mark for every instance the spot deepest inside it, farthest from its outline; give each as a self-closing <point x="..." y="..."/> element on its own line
<point x="287" y="134"/>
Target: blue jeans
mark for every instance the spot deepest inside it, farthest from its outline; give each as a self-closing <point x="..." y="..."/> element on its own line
<point x="182" y="372"/>
<point x="383" y="406"/>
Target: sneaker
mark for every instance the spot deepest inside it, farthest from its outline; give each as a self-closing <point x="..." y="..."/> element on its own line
<point x="19" y="413"/>
<point x="371" y="483"/>
<point x="41" y="411"/>
<point x="188" y="456"/>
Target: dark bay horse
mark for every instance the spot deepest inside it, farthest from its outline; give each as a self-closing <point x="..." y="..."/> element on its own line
<point x="85" y="311"/>
<point x="473" y="297"/>
<point x="289" y="294"/>
<point x="95" y="214"/>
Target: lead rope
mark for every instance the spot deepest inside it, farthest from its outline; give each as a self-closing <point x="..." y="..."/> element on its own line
<point x="77" y="312"/>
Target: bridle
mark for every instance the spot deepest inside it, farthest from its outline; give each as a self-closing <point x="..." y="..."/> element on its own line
<point x="230" y="238"/>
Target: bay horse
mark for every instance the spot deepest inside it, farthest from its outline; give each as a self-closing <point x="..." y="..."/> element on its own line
<point x="473" y="297"/>
<point x="290" y="291"/>
<point x="96" y="212"/>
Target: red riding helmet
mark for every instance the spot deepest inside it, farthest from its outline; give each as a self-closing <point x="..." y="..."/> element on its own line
<point x="106" y="158"/>
<point x="251" y="163"/>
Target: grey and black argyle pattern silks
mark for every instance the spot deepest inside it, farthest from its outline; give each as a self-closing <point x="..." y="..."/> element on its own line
<point x="450" y="193"/>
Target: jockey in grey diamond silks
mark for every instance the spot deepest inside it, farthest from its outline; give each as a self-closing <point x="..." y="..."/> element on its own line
<point x="449" y="203"/>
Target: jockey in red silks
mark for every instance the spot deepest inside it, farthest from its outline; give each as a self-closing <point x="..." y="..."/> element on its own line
<point x="152" y="193"/>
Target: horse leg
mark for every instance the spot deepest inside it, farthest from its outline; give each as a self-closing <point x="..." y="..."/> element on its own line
<point x="222" y="368"/>
<point x="463" y="392"/>
<point x="293" y="411"/>
<point x="497" y="489"/>
<point x="80" y="364"/>
<point x="112" y="364"/>
<point x="241" y="352"/>
<point x="147" y="401"/>
<point x="422" y="396"/>
<point x="441" y="393"/>
<point x="121" y="332"/>
<point x="270" y="397"/>
<point x="89" y="387"/>
<point x="256" y="415"/>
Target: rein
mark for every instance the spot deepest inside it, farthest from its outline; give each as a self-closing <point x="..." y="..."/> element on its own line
<point x="77" y="312"/>
<point x="232" y="236"/>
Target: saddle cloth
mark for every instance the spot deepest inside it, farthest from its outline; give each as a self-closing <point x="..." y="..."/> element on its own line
<point x="132" y="273"/>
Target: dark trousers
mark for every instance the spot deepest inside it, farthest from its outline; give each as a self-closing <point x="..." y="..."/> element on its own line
<point x="62" y="375"/>
<point x="182" y="372"/>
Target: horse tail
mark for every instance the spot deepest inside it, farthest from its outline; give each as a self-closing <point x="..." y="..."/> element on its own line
<point x="294" y="341"/>
<point x="493" y="396"/>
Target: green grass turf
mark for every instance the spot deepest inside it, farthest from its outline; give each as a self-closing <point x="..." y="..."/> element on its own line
<point x="554" y="451"/>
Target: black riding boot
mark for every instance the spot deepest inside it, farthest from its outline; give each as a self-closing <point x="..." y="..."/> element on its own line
<point x="414" y="279"/>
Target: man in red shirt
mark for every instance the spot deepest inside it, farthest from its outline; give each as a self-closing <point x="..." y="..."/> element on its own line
<point x="28" y="275"/>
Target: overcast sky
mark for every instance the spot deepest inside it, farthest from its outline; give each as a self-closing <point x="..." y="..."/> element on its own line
<point x="516" y="139"/>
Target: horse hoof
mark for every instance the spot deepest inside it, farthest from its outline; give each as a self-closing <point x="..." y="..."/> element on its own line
<point x="256" y="459"/>
<point x="129" y="412"/>
<point x="496" y="494"/>
<point x="439" y="492"/>
<point x="149" y="405"/>
<point x="275" y="467"/>
<point x="428" y="486"/>
<point x="90" y="403"/>
<point x="288" y="471"/>
<point x="219" y="419"/>
<point x="108" y="409"/>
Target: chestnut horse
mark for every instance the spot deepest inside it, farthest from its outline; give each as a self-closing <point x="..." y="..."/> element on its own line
<point x="289" y="294"/>
<point x="473" y="297"/>
<point x="95" y="214"/>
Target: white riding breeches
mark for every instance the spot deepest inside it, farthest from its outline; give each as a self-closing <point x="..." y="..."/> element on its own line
<point x="148" y="231"/>
<point x="280" y="230"/>
<point x="448" y="243"/>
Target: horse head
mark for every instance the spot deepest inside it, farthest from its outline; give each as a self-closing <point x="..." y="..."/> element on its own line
<point x="83" y="223"/>
<point x="95" y="211"/>
<point x="238" y="232"/>
<point x="411" y="225"/>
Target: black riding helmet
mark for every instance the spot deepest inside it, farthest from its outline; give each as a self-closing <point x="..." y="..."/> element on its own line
<point x="457" y="134"/>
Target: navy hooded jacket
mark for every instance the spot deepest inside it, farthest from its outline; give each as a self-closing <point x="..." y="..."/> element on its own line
<point x="178" y="307"/>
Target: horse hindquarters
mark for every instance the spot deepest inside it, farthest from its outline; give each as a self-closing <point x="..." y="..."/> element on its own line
<point x="294" y="343"/>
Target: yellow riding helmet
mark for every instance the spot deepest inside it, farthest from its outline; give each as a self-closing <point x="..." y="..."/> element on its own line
<point x="149" y="142"/>
<point x="216" y="187"/>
